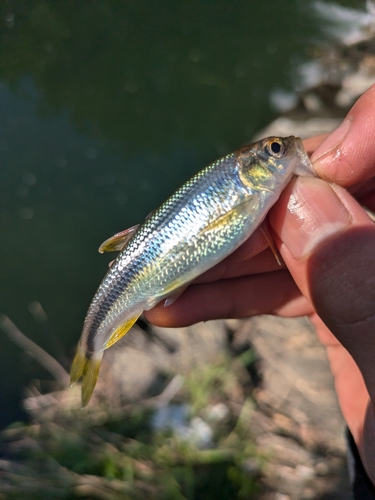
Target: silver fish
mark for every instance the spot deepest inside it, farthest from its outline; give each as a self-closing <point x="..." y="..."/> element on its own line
<point x="204" y="221"/>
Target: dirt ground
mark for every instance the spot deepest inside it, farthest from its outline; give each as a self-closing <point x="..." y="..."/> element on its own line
<point x="297" y="419"/>
<point x="295" y="422"/>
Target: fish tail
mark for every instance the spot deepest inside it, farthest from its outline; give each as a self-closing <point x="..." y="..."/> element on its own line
<point x="90" y="376"/>
<point x="78" y="365"/>
<point x="87" y="368"/>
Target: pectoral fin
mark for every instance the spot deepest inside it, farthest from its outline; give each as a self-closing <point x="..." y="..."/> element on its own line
<point x="266" y="233"/>
<point x="118" y="241"/>
<point x="241" y="209"/>
<point x="120" y="331"/>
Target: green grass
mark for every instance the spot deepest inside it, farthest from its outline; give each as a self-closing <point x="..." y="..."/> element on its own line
<point x="67" y="454"/>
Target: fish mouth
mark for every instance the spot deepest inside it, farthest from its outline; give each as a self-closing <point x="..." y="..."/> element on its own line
<point x="300" y="143"/>
<point x="305" y="167"/>
<point x="295" y="142"/>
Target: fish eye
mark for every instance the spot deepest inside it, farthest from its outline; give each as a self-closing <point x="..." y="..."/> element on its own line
<point x="276" y="148"/>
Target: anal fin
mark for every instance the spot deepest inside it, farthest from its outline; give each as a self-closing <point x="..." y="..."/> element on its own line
<point x="120" y="331"/>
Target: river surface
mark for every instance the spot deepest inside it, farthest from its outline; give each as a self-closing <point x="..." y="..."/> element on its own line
<point x="106" y="107"/>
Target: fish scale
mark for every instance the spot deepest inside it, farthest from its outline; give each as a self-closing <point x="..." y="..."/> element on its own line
<point x="204" y="221"/>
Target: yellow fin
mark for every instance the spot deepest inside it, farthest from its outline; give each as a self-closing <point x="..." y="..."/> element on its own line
<point x="174" y="287"/>
<point x="88" y="368"/>
<point x="117" y="242"/>
<point x="226" y="218"/>
<point x="78" y="365"/>
<point x="90" y="376"/>
<point x="120" y="331"/>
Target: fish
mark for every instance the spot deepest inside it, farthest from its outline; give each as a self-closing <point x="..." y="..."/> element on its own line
<point x="204" y="221"/>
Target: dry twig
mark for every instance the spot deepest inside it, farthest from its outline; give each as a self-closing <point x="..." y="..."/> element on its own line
<point x="33" y="350"/>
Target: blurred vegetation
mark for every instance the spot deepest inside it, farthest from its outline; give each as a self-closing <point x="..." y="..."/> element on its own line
<point x="104" y="452"/>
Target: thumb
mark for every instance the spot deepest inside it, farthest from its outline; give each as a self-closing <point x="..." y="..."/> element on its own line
<point x="327" y="242"/>
<point x="347" y="155"/>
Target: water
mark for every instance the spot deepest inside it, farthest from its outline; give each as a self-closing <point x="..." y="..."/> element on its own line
<point x="104" y="111"/>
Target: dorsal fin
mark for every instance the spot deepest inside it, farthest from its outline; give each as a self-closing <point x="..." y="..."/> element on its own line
<point x="117" y="242"/>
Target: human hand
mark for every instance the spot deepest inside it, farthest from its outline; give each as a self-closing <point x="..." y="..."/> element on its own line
<point x="327" y="242"/>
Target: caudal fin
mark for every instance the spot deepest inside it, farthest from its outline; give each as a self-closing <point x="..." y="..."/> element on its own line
<point x="88" y="369"/>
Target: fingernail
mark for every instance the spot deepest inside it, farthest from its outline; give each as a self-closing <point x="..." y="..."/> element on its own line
<point x="314" y="212"/>
<point x="332" y="142"/>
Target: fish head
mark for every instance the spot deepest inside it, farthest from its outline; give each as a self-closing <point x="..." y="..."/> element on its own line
<point x="272" y="161"/>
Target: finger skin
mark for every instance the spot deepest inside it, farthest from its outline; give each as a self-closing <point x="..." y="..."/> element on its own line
<point x="352" y="161"/>
<point x="333" y="262"/>
<point x="239" y="297"/>
<point x="327" y="242"/>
